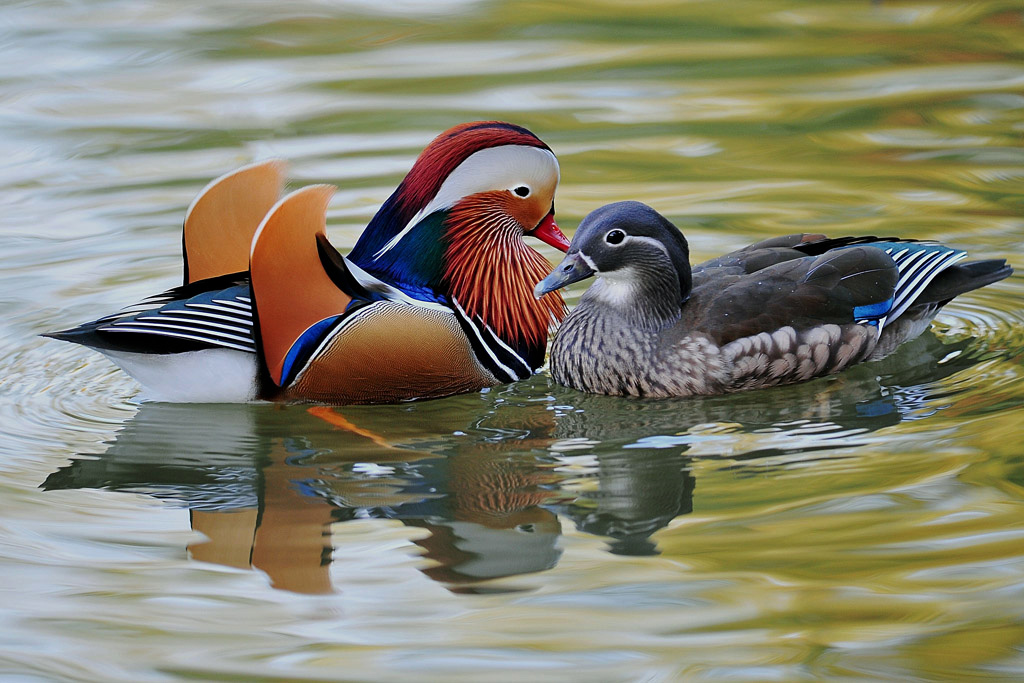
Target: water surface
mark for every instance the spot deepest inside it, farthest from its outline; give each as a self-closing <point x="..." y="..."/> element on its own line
<point x="868" y="526"/>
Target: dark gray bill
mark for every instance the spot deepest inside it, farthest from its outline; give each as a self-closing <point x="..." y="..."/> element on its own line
<point x="573" y="268"/>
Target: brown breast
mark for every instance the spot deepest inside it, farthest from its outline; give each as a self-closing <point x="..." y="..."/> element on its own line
<point x="388" y="352"/>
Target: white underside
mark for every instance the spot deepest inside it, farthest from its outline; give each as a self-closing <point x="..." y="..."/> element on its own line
<point x="208" y="376"/>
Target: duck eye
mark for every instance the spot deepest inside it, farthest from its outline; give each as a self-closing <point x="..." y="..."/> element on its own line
<point x="522" y="191"/>
<point x="614" y="237"/>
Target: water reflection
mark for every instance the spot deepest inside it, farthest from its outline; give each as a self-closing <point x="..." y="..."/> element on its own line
<point x="488" y="477"/>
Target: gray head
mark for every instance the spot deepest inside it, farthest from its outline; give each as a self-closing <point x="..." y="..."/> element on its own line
<point x="635" y="253"/>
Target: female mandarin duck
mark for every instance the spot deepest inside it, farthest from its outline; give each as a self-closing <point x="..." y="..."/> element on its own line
<point x="435" y="298"/>
<point x="777" y="312"/>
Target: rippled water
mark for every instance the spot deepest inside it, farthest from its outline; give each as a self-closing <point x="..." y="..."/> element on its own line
<point x="868" y="526"/>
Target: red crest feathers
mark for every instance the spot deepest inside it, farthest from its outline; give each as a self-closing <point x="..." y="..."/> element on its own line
<point x="451" y="148"/>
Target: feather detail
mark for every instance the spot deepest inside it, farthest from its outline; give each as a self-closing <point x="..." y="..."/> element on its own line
<point x="491" y="271"/>
<point x="223" y="218"/>
<point x="433" y="166"/>
<point x="451" y="148"/>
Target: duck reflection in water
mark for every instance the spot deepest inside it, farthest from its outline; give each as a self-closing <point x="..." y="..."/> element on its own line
<point x="266" y="484"/>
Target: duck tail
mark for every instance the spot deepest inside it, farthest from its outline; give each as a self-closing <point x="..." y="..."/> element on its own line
<point x="962" y="278"/>
<point x="75" y="335"/>
<point x="86" y="334"/>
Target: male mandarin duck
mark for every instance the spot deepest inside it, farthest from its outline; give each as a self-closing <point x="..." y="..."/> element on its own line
<point x="436" y="297"/>
<point x="780" y="311"/>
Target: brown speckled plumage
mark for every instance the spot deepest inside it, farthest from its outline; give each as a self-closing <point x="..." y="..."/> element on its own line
<point x="602" y="356"/>
<point x="781" y="311"/>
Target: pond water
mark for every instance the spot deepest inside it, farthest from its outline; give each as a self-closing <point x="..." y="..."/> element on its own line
<point x="868" y="526"/>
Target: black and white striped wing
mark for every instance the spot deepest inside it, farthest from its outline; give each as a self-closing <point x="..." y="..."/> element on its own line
<point x="222" y="319"/>
<point x="179" y="320"/>
<point x="918" y="263"/>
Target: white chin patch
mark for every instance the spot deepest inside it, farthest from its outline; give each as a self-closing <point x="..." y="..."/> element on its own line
<point x="616" y="288"/>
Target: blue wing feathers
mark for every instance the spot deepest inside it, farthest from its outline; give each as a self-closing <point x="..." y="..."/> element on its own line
<point x="303" y="348"/>
<point x="873" y="311"/>
<point x="918" y="264"/>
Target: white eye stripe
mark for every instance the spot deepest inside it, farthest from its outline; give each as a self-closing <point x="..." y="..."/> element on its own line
<point x="489" y="169"/>
<point x="652" y="241"/>
<point x="590" y="262"/>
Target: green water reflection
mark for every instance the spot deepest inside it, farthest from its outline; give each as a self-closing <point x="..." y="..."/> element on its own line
<point x="486" y="477"/>
<point x="864" y="527"/>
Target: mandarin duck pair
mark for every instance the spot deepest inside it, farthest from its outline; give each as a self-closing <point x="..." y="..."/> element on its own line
<point x="441" y="295"/>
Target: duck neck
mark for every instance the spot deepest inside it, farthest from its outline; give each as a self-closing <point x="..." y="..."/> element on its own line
<point x="491" y="272"/>
<point x="648" y="296"/>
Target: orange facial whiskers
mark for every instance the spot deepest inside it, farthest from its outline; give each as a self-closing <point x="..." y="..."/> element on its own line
<point x="491" y="271"/>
